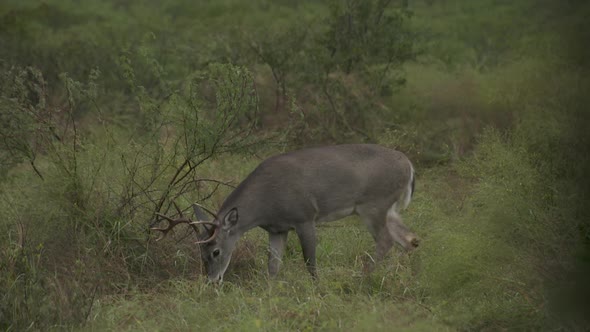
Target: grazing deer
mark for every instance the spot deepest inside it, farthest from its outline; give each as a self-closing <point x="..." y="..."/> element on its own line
<point x="300" y="189"/>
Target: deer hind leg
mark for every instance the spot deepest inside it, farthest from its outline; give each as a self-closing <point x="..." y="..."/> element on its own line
<point x="307" y="237"/>
<point x="277" y="243"/>
<point x="375" y="220"/>
<point x="386" y="227"/>
<point x="398" y="231"/>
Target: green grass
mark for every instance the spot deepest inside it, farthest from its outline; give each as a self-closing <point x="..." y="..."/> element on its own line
<point x="496" y="127"/>
<point x="471" y="271"/>
<point x="466" y="274"/>
<point x="343" y="298"/>
<point x="487" y="236"/>
<point x="269" y="306"/>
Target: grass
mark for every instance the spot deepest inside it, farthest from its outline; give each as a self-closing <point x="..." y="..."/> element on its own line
<point x="437" y="287"/>
<point x="492" y="235"/>
<point x="275" y="305"/>
<point x="499" y="140"/>
<point x="482" y="263"/>
<point x="248" y="300"/>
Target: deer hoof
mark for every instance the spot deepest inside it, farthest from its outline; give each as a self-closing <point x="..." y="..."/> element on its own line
<point x="412" y="242"/>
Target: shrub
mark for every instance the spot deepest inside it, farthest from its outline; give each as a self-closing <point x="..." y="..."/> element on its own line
<point x="79" y="230"/>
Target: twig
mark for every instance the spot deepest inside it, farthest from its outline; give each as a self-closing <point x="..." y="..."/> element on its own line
<point x="91" y="302"/>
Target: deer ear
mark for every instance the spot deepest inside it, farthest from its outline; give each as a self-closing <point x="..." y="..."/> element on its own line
<point x="230" y="219"/>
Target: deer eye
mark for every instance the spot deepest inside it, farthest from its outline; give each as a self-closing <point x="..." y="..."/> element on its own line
<point x="215" y="252"/>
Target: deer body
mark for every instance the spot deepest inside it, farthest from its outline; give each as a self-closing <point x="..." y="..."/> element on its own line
<point x="297" y="190"/>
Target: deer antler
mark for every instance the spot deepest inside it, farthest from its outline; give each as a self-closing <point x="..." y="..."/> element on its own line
<point x="215" y="230"/>
<point x="173" y="222"/>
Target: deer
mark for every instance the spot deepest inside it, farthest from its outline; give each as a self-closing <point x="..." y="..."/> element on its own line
<point x="299" y="190"/>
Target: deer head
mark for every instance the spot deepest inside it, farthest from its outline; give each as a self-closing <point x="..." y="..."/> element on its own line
<point x="217" y="242"/>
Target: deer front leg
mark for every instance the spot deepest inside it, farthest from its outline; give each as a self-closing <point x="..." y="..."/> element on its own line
<point x="277" y="243"/>
<point x="307" y="238"/>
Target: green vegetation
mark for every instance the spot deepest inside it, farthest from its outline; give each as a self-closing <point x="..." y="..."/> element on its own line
<point x="110" y="111"/>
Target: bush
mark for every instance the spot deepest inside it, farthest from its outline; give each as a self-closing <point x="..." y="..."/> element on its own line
<point x="87" y="215"/>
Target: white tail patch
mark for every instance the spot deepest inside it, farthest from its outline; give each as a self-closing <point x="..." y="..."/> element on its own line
<point x="407" y="196"/>
<point x="404" y="199"/>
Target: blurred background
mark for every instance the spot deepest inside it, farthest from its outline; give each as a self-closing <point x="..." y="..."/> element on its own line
<point x="112" y="110"/>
